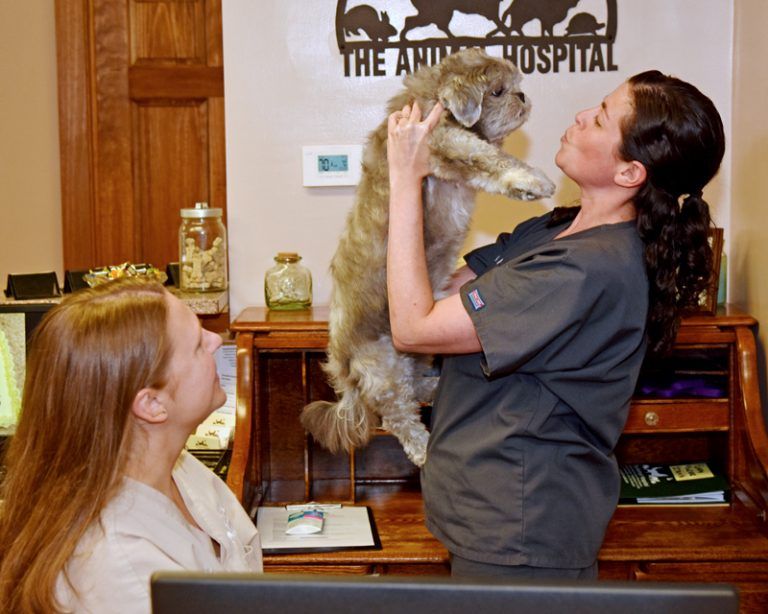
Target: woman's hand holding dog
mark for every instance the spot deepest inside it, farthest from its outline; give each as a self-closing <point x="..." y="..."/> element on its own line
<point x="418" y="324"/>
<point x="408" y="143"/>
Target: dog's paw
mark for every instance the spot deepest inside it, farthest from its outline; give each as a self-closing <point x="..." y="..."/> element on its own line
<point x="527" y="184"/>
<point x="417" y="457"/>
<point x="416" y="447"/>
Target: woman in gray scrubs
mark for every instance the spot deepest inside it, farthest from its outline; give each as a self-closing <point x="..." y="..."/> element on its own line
<point x="545" y="334"/>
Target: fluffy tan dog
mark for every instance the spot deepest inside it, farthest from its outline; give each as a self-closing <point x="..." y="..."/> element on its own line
<point x="376" y="385"/>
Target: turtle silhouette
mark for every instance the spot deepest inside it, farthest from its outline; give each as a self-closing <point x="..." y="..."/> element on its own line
<point x="583" y="23"/>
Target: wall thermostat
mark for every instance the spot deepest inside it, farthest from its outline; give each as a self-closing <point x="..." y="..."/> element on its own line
<point x="331" y="164"/>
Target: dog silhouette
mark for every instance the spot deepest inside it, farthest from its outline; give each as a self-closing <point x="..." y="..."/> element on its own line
<point x="549" y="13"/>
<point x="440" y="13"/>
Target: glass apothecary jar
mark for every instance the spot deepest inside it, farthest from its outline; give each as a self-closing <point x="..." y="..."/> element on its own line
<point x="288" y="284"/>
<point x="202" y="250"/>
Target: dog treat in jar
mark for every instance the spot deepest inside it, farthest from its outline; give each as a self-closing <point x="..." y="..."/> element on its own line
<point x="202" y="250"/>
<point x="288" y="284"/>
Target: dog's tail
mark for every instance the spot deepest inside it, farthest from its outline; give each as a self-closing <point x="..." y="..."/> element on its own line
<point x="337" y="426"/>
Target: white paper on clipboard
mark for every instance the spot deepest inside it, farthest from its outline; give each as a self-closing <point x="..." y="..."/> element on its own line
<point x="343" y="527"/>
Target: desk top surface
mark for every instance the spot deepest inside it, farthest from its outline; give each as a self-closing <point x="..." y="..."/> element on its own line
<point x="721" y="533"/>
<point x="262" y="319"/>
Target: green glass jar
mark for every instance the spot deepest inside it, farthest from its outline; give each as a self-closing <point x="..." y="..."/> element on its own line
<point x="288" y="284"/>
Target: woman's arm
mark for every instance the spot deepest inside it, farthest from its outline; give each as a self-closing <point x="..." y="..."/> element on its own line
<point x="418" y="323"/>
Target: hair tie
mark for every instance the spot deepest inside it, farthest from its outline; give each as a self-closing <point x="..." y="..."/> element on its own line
<point x="684" y="198"/>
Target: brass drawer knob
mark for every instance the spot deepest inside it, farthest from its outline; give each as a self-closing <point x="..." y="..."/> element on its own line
<point x="651" y="418"/>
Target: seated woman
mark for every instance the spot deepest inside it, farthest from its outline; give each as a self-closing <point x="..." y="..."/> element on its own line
<point x="99" y="493"/>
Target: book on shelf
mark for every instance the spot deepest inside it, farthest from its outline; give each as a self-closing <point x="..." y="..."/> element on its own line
<point x="672" y="484"/>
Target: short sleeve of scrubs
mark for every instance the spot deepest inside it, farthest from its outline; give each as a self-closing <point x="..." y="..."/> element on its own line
<point x="529" y="312"/>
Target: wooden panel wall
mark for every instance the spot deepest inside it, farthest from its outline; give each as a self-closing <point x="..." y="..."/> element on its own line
<point x="141" y="114"/>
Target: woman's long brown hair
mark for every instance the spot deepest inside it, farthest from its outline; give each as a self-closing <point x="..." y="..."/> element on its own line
<point x="87" y="360"/>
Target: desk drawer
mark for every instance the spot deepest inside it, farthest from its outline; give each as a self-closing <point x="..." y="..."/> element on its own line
<point x="749" y="577"/>
<point x="414" y="569"/>
<point x="678" y="416"/>
<point x="721" y="571"/>
<point x="352" y="570"/>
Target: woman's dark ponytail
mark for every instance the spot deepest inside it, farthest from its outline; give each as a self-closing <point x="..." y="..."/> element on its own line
<point x="657" y="225"/>
<point x="696" y="252"/>
<point x="677" y="134"/>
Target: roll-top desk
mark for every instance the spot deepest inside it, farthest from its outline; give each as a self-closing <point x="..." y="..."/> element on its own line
<point x="278" y="371"/>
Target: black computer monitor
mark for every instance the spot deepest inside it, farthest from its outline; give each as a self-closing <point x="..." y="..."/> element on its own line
<point x="221" y="593"/>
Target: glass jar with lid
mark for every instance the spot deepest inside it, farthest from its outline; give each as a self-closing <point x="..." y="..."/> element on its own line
<point x="288" y="284"/>
<point x="202" y="250"/>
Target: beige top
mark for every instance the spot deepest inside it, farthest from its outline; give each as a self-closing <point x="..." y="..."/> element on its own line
<point x="142" y="531"/>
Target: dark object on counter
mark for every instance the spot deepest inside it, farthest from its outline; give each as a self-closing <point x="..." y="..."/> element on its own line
<point x="172" y="270"/>
<point x="74" y="280"/>
<point x="33" y="286"/>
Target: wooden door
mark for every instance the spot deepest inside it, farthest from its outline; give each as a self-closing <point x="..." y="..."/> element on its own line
<point x="141" y="117"/>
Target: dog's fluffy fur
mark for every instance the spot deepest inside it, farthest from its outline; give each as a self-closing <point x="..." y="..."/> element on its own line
<point x="376" y="384"/>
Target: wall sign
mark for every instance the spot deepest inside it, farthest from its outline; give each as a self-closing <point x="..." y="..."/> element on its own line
<point x="386" y="37"/>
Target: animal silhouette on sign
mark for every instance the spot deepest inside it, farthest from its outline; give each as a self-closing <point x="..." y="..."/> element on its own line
<point x="549" y="13"/>
<point x="366" y="18"/>
<point x="375" y="384"/>
<point x="583" y="24"/>
<point x="440" y="13"/>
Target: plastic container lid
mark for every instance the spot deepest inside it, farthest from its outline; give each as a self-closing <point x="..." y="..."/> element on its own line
<point x="201" y="210"/>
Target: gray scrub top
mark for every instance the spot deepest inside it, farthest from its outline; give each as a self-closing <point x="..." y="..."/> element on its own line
<point x="520" y="467"/>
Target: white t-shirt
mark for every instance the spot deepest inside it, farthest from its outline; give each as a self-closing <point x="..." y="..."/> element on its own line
<point x="142" y="531"/>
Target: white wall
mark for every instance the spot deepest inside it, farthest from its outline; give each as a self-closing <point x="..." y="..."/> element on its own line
<point x="748" y="252"/>
<point x="285" y="87"/>
<point x="30" y="200"/>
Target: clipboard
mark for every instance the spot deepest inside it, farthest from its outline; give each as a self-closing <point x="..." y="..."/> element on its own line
<point x="346" y="527"/>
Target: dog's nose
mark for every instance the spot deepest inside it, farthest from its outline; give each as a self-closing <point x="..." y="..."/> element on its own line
<point x="521" y="96"/>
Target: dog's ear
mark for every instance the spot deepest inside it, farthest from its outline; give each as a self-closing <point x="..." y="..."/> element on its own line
<point x="462" y="95"/>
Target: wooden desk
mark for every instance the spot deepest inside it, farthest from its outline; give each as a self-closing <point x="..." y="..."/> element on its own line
<point x="279" y="357"/>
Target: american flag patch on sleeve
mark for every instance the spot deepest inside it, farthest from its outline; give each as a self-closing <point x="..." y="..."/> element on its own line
<point x="476" y="300"/>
